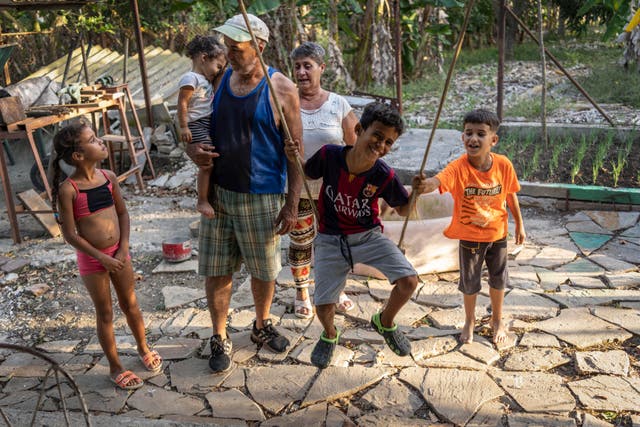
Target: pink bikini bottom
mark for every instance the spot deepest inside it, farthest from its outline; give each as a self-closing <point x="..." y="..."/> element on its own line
<point x="89" y="265"/>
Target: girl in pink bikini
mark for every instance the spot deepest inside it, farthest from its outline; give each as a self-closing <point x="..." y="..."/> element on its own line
<point x="95" y="221"/>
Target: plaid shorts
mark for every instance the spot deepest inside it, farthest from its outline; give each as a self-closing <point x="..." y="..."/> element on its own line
<point x="242" y="230"/>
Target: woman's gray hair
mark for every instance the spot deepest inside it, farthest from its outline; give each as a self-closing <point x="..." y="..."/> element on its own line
<point x="309" y="50"/>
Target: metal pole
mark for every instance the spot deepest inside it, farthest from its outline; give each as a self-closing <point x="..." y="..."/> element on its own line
<point x="566" y="73"/>
<point x="285" y="126"/>
<point x="143" y="62"/>
<point x="452" y="66"/>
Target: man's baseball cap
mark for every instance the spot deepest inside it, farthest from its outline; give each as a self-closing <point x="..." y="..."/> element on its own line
<point x="236" y="29"/>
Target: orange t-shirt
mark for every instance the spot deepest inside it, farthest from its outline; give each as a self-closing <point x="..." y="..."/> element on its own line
<point x="479" y="207"/>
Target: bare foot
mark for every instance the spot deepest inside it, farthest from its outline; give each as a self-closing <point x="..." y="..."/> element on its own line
<point x="499" y="331"/>
<point x="466" y="337"/>
<point x="205" y="208"/>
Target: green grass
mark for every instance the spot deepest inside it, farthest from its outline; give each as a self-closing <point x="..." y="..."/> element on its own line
<point x="578" y="157"/>
<point x="569" y="52"/>
<point x="621" y="160"/>
<point x="412" y="90"/>
<point x="557" y="148"/>
<point x="610" y="83"/>
<point x="602" y="150"/>
<point x="444" y="124"/>
<point x="507" y="145"/>
<point x="607" y="83"/>
<point x="469" y="58"/>
<point x="531" y="108"/>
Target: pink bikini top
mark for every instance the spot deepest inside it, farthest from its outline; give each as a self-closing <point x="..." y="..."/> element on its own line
<point x="92" y="200"/>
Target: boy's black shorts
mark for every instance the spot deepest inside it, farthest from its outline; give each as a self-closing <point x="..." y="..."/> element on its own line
<point x="473" y="255"/>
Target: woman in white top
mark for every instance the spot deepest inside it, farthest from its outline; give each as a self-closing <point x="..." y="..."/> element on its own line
<point x="327" y="118"/>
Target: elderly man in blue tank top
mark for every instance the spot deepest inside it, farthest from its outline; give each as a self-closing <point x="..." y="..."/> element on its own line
<point x="248" y="185"/>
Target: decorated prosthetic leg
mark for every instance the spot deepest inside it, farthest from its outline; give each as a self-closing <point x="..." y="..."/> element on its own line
<point x="300" y="257"/>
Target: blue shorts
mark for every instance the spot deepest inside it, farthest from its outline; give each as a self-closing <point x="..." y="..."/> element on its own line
<point x="335" y="256"/>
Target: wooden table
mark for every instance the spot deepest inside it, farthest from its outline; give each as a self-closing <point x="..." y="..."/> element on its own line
<point x="24" y="129"/>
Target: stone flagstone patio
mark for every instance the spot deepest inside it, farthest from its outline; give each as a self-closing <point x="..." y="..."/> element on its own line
<point x="572" y="357"/>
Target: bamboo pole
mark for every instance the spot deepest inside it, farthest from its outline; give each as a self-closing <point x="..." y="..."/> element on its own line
<point x="412" y="200"/>
<point x="278" y="106"/>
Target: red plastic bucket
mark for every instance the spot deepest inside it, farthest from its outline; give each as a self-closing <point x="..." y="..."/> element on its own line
<point x="176" y="250"/>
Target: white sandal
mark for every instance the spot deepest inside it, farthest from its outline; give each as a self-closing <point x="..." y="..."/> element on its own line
<point x="302" y="308"/>
<point x="344" y="303"/>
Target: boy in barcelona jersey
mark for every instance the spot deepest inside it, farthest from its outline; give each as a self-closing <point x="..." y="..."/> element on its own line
<point x="349" y="228"/>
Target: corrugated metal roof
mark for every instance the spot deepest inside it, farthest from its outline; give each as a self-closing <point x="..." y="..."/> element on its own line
<point x="164" y="69"/>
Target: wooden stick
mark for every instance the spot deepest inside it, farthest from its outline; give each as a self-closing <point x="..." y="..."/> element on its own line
<point x="278" y="107"/>
<point x="412" y="200"/>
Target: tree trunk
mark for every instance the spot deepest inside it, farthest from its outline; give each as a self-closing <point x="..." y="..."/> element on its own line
<point x="512" y="30"/>
<point x="421" y="52"/>
<point x="333" y="20"/>
<point x="282" y="25"/>
<point x="361" y="65"/>
<point x="631" y="42"/>
<point x="438" y="54"/>
<point x="379" y="58"/>
<point x="338" y="75"/>
<point x="382" y="55"/>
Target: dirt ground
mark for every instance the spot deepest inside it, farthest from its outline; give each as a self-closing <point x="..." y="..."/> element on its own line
<point x="66" y="311"/>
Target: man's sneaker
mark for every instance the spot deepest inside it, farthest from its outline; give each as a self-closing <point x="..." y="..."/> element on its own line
<point x="395" y="339"/>
<point x="323" y="351"/>
<point x="220" y="359"/>
<point x="269" y="336"/>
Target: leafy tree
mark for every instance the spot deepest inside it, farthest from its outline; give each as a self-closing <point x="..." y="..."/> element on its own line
<point x="360" y="30"/>
<point x="579" y="15"/>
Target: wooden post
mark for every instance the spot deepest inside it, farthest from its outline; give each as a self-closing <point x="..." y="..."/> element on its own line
<point x="126" y="58"/>
<point x="8" y="196"/>
<point x="84" y="62"/>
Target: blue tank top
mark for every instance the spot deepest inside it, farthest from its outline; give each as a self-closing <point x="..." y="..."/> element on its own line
<point x="251" y="147"/>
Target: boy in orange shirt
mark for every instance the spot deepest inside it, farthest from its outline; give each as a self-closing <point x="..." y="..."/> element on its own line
<point x="481" y="182"/>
